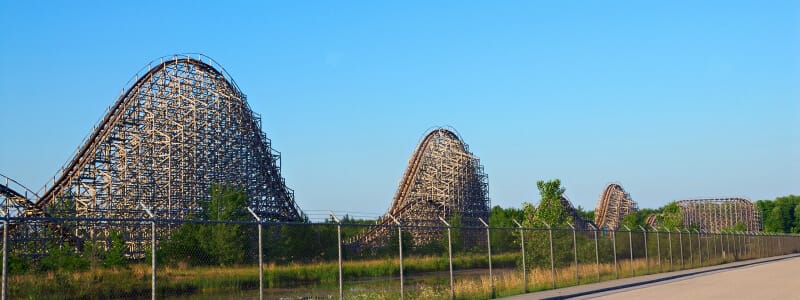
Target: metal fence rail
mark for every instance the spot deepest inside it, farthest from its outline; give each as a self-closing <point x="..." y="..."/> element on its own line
<point x="253" y="259"/>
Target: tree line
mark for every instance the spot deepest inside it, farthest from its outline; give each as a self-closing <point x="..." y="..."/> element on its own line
<point x="781" y="215"/>
<point x="224" y="242"/>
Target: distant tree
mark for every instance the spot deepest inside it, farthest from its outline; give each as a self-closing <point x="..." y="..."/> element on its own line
<point x="550" y="209"/>
<point x="630" y="220"/>
<point x="226" y="243"/>
<point x="774" y="220"/>
<point x="552" y="212"/>
<point x="671" y="216"/>
<point x="456" y="234"/>
<point x="63" y="257"/>
<point x="115" y="257"/>
<point x="393" y="244"/>
<point x="739" y="226"/>
<point x="218" y="243"/>
<point x="796" y="228"/>
<point x="504" y="239"/>
<point x="637" y="218"/>
<point x="584" y="214"/>
<point x="765" y="208"/>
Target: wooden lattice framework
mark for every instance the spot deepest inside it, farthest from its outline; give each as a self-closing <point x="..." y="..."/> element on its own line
<point x="443" y="179"/>
<point x="614" y="204"/>
<point x="716" y="214"/>
<point x="179" y="128"/>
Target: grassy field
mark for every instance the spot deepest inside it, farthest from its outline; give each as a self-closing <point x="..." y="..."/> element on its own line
<point x="366" y="279"/>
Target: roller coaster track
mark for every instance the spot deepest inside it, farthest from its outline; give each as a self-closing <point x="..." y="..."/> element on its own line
<point x="652" y="220"/>
<point x="613" y="205"/>
<point x="717" y="214"/>
<point x="179" y="128"/>
<point x="14" y="202"/>
<point x="443" y="179"/>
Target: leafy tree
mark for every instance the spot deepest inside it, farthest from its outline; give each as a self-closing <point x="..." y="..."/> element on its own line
<point x="217" y="243"/>
<point x="456" y="234"/>
<point x="182" y="246"/>
<point x="226" y="243"/>
<point x="796" y="228"/>
<point x="781" y="214"/>
<point x="739" y="226"/>
<point x="587" y="215"/>
<point x="504" y="240"/>
<point x="408" y="243"/>
<point x="115" y="257"/>
<point x="671" y="216"/>
<point x="550" y="211"/>
<point x="64" y="258"/>
<point x="774" y="220"/>
<point x="637" y="218"/>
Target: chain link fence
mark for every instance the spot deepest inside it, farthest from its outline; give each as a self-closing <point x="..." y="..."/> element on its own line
<point x="44" y="258"/>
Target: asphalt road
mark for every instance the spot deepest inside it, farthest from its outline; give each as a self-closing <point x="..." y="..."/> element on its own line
<point x="768" y="278"/>
<point x="776" y="280"/>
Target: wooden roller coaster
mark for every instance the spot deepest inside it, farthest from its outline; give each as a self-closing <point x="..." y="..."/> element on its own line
<point x="717" y="214"/>
<point x="182" y="126"/>
<point x="443" y="180"/>
<point x="613" y="205"/>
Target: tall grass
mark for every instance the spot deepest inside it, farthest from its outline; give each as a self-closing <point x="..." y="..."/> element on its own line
<point x="320" y="279"/>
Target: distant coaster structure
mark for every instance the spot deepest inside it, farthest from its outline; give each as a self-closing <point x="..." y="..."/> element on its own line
<point x="614" y="204"/>
<point x="443" y="180"/>
<point x="717" y="214"/>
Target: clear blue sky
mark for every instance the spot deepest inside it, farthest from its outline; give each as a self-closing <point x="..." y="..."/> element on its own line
<point x="674" y="99"/>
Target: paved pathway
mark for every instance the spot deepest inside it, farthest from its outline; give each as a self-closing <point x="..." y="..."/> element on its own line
<point x="769" y="278"/>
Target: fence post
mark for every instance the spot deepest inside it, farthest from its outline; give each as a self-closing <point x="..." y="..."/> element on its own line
<point x="646" y="258"/>
<point x="5" y="254"/>
<point x="728" y="244"/>
<point x="552" y="262"/>
<point x="339" y="244"/>
<point x="450" y="256"/>
<point x="743" y="247"/>
<point x="575" y="247"/>
<point x="756" y="245"/>
<point x="524" y="269"/>
<point x="768" y="245"/>
<point x="658" y="249"/>
<point x="260" y="257"/>
<point x="630" y="247"/>
<point x="596" y="253"/>
<point x="152" y="248"/>
<point x="699" y="247"/>
<point x="691" y="255"/>
<point x="614" y="246"/>
<point x="714" y="242"/>
<point x="746" y="243"/>
<point x="400" y="250"/>
<point x="708" y="248"/>
<point x="669" y="239"/>
<point x="489" y="250"/>
<point x="680" y="243"/>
